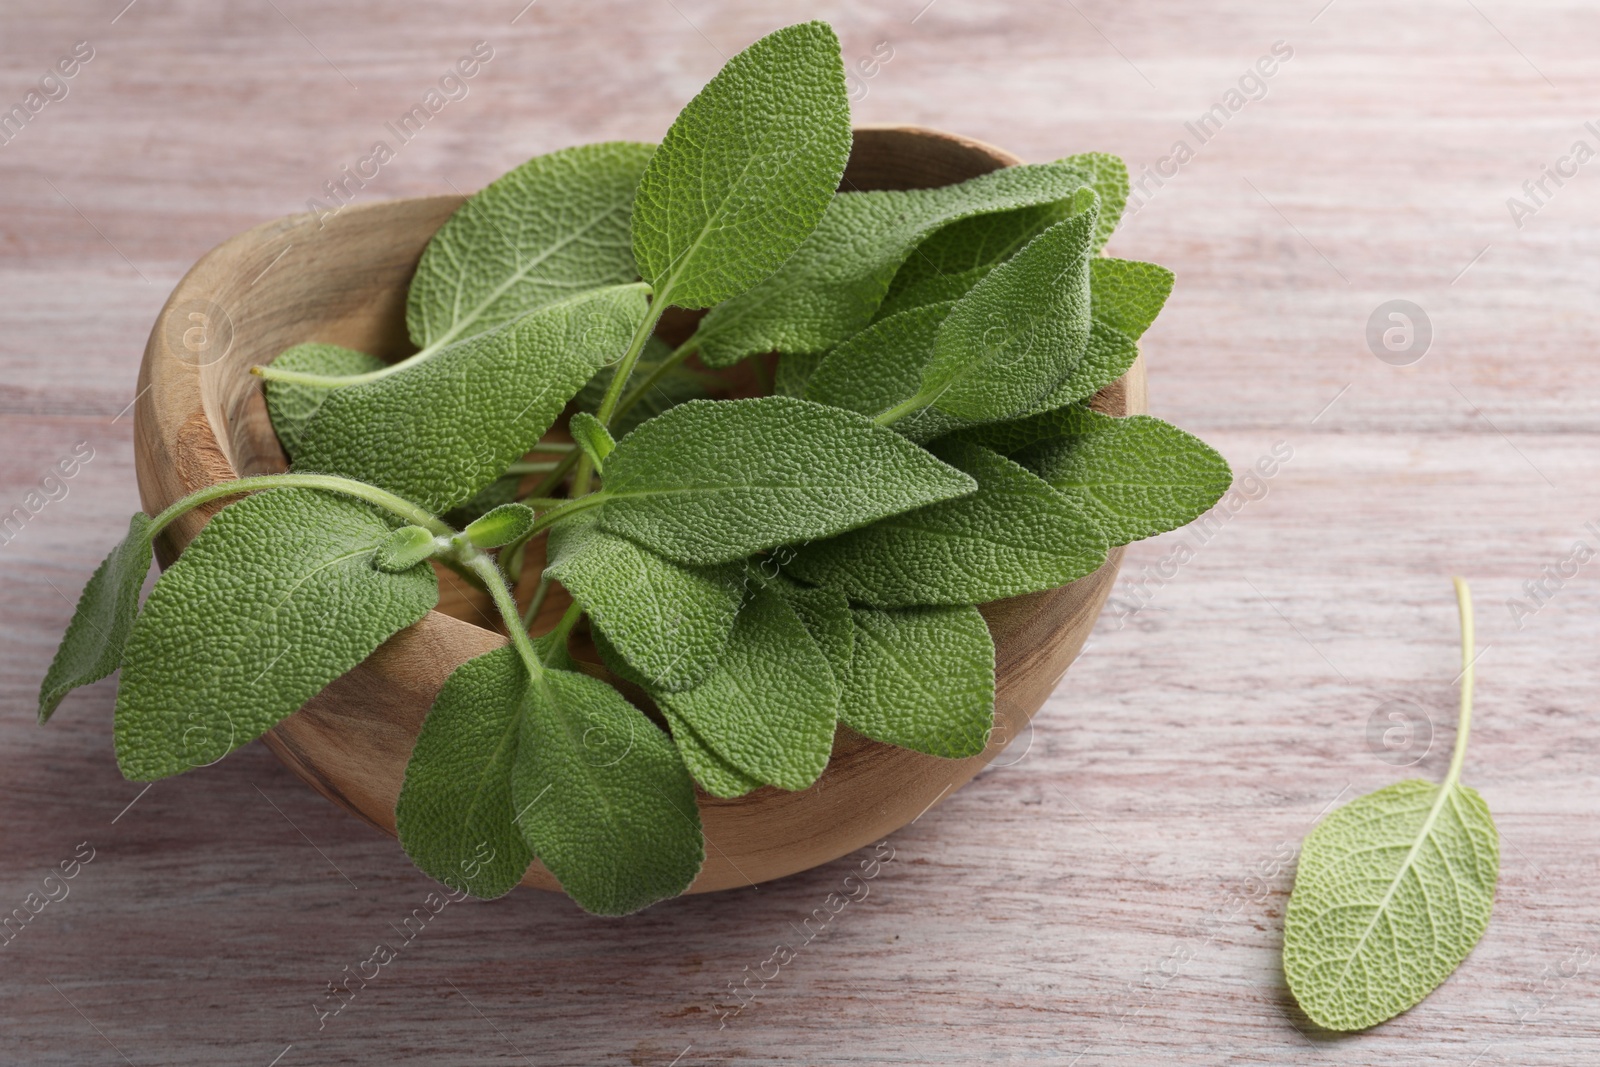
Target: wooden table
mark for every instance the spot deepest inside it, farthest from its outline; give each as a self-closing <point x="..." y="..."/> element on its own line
<point x="1115" y="892"/>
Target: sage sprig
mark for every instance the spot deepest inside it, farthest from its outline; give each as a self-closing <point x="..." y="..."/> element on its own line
<point x="752" y="571"/>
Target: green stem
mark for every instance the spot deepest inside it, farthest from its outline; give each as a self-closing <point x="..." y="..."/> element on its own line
<point x="563" y="629"/>
<point x="395" y="505"/>
<point x="553" y="446"/>
<point x="659" y="371"/>
<point x="552" y="481"/>
<point x="532" y="467"/>
<point x="486" y="569"/>
<point x="540" y="592"/>
<point x="619" y="380"/>
<point x="901" y="410"/>
<point x="1464" y="722"/>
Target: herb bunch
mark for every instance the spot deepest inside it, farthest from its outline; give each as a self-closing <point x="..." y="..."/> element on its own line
<point x="761" y="568"/>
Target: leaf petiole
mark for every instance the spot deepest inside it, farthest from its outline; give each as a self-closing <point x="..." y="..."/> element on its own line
<point x="659" y="371"/>
<point x="395" y="505"/>
<point x="558" y="510"/>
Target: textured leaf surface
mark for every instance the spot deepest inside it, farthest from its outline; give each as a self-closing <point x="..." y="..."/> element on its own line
<point x="92" y="646"/>
<point x="1014" y="535"/>
<point x="881" y="366"/>
<point x="832" y="285"/>
<point x="923" y="679"/>
<point x="603" y="797"/>
<point x="746" y="170"/>
<point x="712" y="481"/>
<point x="1392" y="891"/>
<point x="1134" y="477"/>
<point x="1019" y="331"/>
<point x="455" y="816"/>
<point x="1109" y="176"/>
<point x="440" y="430"/>
<point x="670" y="623"/>
<point x="275" y="598"/>
<point x="552" y="227"/>
<point x="770" y="706"/>
<point x="714" y="774"/>
<point x="1107" y="357"/>
<point x="825" y="613"/>
<point x="1129" y="294"/>
<point x="290" y="405"/>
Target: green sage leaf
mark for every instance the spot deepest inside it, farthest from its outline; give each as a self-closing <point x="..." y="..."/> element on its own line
<point x="712" y="481"/>
<point x="1014" y="535"/>
<point x="746" y="170"/>
<point x="1128" y="294"/>
<point x="276" y="597"/>
<point x="1391" y="893"/>
<point x="455" y="815"/>
<point x="404" y="549"/>
<point x="602" y="796"/>
<point x="882" y="366"/>
<point x="92" y="646"/>
<point x="1134" y="477"/>
<point x="670" y="622"/>
<point x="770" y="705"/>
<point x="832" y="285"/>
<point x="1107" y="357"/>
<point x="1109" y="176"/>
<point x="556" y="225"/>
<point x="923" y="679"/>
<point x="291" y="405"/>
<point x="592" y="437"/>
<point x="1019" y="331"/>
<point x="500" y="525"/>
<point x="825" y="613"/>
<point x="439" y="431"/>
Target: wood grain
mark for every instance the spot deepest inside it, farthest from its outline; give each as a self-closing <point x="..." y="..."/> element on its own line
<point x="1099" y="890"/>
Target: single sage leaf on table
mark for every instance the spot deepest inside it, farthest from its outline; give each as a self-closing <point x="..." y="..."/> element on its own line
<point x="713" y="481"/>
<point x="1134" y="477"/>
<point x="275" y="598"/>
<point x="1393" y="890"/>
<point x="455" y="816"/>
<point x="1014" y="535"/>
<point x="832" y="285"/>
<point x="556" y="225"/>
<point x="671" y="623"/>
<point x="437" y="432"/>
<point x="602" y="796"/>
<point x="1018" y="331"/>
<point x="923" y="679"/>
<point x="292" y="405"/>
<point x="92" y="646"/>
<point x="714" y="774"/>
<point x="746" y="170"/>
<point x="770" y="705"/>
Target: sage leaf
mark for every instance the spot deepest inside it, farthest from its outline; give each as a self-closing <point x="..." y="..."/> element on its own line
<point x="500" y="525"/>
<point x="670" y="622"/>
<point x="602" y="796"/>
<point x="881" y="366"/>
<point x="770" y="705"/>
<point x="1108" y="174"/>
<point x="1393" y="890"/>
<point x="825" y="613"/>
<point x="1014" y="535"/>
<point x="923" y="679"/>
<point x="1020" y="330"/>
<point x="276" y="597"/>
<point x="592" y="437"/>
<point x="1107" y="357"/>
<point x="439" y="431"/>
<point x="712" y="481"/>
<point x="404" y="549"/>
<point x="1134" y="477"/>
<point x="832" y="285"/>
<point x="93" y="644"/>
<point x="711" y="772"/>
<point x="292" y="405"/>
<point x="455" y="815"/>
<point x="1128" y="294"/>
<point x="746" y="170"/>
<point x="792" y="373"/>
<point x="556" y="225"/>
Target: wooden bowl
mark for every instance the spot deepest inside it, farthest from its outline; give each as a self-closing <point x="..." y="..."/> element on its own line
<point x="201" y="419"/>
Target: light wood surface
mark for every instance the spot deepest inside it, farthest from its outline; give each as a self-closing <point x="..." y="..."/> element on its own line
<point x="1113" y="887"/>
<point x="201" y="419"/>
